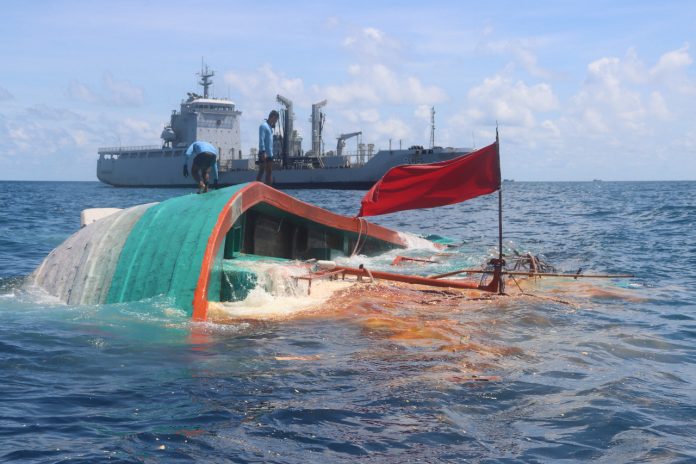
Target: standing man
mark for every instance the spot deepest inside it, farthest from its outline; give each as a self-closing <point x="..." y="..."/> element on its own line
<point x="202" y="157"/>
<point x="266" y="147"/>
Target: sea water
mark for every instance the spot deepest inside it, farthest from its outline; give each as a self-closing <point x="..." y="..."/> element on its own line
<point x="573" y="370"/>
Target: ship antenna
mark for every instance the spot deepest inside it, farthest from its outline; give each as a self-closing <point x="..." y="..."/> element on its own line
<point x="432" y="127"/>
<point x="206" y="74"/>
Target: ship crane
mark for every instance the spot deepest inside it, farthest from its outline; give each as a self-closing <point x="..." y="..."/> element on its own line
<point x="342" y="141"/>
<point x="288" y="131"/>
<point x="318" y="119"/>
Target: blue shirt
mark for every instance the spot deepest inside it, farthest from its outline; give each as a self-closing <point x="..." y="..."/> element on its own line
<point x="197" y="148"/>
<point x="266" y="139"/>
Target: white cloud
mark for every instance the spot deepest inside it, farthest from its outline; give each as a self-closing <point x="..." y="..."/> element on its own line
<point x="521" y="51"/>
<point x="5" y="94"/>
<point x="114" y="92"/>
<point x="657" y="106"/>
<point x="45" y="112"/>
<point x="369" y="115"/>
<point x="371" y="43"/>
<point x="121" y="92"/>
<point x="395" y="129"/>
<point x="62" y="143"/>
<point x="352" y="106"/>
<point x="260" y="87"/>
<point x="671" y="70"/>
<point x="377" y="83"/>
<point x="624" y="93"/>
<point x="422" y="112"/>
<point x="81" y="92"/>
<point x="81" y="138"/>
<point x="672" y="61"/>
<point x="509" y="102"/>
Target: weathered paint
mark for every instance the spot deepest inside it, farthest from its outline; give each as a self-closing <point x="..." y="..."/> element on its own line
<point x="80" y="270"/>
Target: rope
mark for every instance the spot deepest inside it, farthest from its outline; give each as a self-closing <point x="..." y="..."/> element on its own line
<point x="365" y="236"/>
<point x="360" y="234"/>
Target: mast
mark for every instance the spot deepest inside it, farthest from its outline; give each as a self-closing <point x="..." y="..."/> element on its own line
<point x="432" y="127"/>
<point x="206" y="74"/>
<point x="501" y="262"/>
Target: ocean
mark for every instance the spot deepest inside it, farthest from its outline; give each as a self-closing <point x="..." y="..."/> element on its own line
<point x="571" y="371"/>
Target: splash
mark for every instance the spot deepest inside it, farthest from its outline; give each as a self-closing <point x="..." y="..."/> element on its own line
<point x="278" y="294"/>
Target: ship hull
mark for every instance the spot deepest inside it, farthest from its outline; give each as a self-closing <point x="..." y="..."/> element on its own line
<point x="166" y="171"/>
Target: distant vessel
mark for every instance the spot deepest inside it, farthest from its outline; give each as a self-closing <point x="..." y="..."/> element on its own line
<point x="216" y="120"/>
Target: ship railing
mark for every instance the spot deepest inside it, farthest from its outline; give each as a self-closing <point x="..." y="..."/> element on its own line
<point x="348" y="160"/>
<point x="355" y="160"/>
<point x="132" y="148"/>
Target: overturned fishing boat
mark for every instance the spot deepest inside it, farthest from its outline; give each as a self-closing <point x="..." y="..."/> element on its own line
<point x="196" y="249"/>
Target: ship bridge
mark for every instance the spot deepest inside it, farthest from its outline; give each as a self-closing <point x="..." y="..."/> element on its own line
<point x="211" y="104"/>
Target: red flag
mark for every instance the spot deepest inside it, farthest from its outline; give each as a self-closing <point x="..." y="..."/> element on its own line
<point x="413" y="186"/>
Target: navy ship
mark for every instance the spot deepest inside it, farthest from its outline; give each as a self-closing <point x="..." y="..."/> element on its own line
<point x="216" y="120"/>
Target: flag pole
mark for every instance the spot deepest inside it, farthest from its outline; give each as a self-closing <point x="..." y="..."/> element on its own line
<point x="501" y="263"/>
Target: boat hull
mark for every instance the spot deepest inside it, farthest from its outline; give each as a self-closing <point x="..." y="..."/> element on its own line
<point x="179" y="248"/>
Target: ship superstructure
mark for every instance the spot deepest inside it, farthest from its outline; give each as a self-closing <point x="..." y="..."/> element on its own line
<point x="216" y="120"/>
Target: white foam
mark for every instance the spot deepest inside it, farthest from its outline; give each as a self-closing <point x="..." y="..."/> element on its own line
<point x="415" y="242"/>
<point x="278" y="294"/>
<point x="35" y="294"/>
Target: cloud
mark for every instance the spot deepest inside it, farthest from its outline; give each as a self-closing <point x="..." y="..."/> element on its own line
<point x="671" y="70"/>
<point x="369" y="116"/>
<point x="352" y="106"/>
<point x="509" y="102"/>
<point x="62" y="143"/>
<point x="121" y="92"/>
<point x="375" y="75"/>
<point x="625" y="93"/>
<point x="113" y="92"/>
<point x="259" y="88"/>
<point x="5" y="94"/>
<point x="371" y="43"/>
<point x="49" y="113"/>
<point x="394" y="129"/>
<point x="81" y="92"/>
<point x="423" y="112"/>
<point x="377" y="83"/>
<point x="521" y="51"/>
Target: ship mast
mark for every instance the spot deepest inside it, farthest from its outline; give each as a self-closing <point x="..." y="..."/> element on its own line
<point x="206" y="74"/>
<point x="432" y="127"/>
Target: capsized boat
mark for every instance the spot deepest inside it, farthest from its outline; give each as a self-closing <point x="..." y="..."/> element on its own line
<point x="194" y="248"/>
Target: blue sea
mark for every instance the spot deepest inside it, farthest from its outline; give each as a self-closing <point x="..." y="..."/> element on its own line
<point x="571" y="371"/>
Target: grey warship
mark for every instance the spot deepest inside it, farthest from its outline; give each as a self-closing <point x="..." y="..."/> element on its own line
<point x="217" y="120"/>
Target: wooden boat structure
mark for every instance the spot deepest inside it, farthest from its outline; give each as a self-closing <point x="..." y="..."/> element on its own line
<point x="196" y="249"/>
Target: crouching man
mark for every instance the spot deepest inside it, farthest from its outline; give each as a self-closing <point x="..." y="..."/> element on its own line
<point x="202" y="157"/>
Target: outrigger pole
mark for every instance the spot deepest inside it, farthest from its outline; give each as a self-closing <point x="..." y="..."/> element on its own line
<point x="533" y="274"/>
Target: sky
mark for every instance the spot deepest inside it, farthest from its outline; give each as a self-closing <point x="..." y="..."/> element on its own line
<point x="579" y="90"/>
